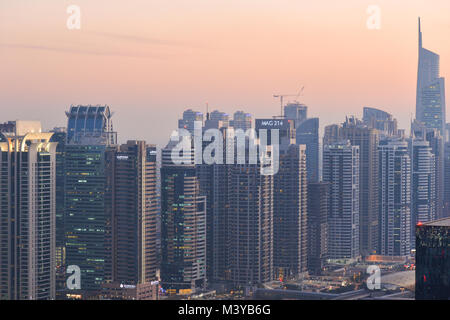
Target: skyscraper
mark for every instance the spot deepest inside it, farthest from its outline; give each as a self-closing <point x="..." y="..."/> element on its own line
<point x="189" y="118"/>
<point x="307" y="133"/>
<point x="183" y="224"/>
<point x="60" y="136"/>
<point x="289" y="201"/>
<point x="88" y="211"/>
<point x="241" y="120"/>
<point x="367" y="139"/>
<point x="297" y="111"/>
<point x="131" y="174"/>
<point x="380" y="120"/>
<point x="433" y="260"/>
<point x="250" y="225"/>
<point x="446" y="192"/>
<point x="435" y="140"/>
<point x="90" y="123"/>
<point x="217" y="120"/>
<point x="317" y="222"/>
<point x="395" y="197"/>
<point x="423" y="204"/>
<point x="214" y="183"/>
<point x="430" y="94"/>
<point x="341" y="171"/>
<point x="27" y="212"/>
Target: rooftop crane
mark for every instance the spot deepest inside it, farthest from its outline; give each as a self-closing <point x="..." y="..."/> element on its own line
<point x="281" y="96"/>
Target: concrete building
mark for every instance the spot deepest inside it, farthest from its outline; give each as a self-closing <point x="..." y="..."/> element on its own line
<point x="250" y="227"/>
<point x="189" y="118"/>
<point x="241" y="120"/>
<point x="317" y="222"/>
<point x="394" y="197"/>
<point x="423" y="193"/>
<point x="183" y="225"/>
<point x="367" y="139"/>
<point x="131" y="175"/>
<point x="341" y="171"/>
<point x="27" y="212"/>
<point x="378" y="119"/>
<point x="307" y="133"/>
<point x="289" y="201"/>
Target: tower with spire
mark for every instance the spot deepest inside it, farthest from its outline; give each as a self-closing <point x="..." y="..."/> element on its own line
<point x="430" y="94"/>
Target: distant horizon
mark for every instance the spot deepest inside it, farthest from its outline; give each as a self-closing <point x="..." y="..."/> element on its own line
<point x="151" y="61"/>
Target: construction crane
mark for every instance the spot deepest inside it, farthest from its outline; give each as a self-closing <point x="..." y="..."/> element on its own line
<point x="281" y="96"/>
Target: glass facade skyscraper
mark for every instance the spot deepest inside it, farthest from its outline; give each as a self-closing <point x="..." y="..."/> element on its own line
<point x="430" y="95"/>
<point x="433" y="260"/>
<point x="88" y="204"/>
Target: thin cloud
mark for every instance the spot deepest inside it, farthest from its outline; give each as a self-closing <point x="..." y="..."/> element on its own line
<point x="145" y="40"/>
<point x="82" y="51"/>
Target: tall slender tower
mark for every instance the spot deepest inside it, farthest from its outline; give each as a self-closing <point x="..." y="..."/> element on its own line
<point x="87" y="196"/>
<point x="367" y="138"/>
<point x="183" y="224"/>
<point x="395" y="197"/>
<point x="131" y="176"/>
<point x="341" y="171"/>
<point x="430" y="94"/>
<point x="27" y="212"/>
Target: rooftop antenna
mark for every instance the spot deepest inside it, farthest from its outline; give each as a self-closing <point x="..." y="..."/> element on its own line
<point x="420" y="35"/>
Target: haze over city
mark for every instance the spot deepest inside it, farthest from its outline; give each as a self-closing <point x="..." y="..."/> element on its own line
<point x="150" y="60"/>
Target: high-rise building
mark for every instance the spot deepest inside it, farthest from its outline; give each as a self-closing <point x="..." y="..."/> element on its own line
<point x="435" y="140"/>
<point x="250" y="214"/>
<point x="189" y="118"/>
<point x="289" y="201"/>
<point x="183" y="224"/>
<point x="250" y="219"/>
<point x="394" y="197"/>
<point x="241" y="120"/>
<point x="88" y="211"/>
<point x="317" y="222"/>
<point x="214" y="183"/>
<point x="90" y="123"/>
<point x="27" y="212"/>
<point x="423" y="194"/>
<point x="341" y="171"/>
<point x="430" y="95"/>
<point x="433" y="260"/>
<point x="307" y="133"/>
<point x="88" y="214"/>
<point x="131" y="175"/>
<point x="296" y="111"/>
<point x="380" y="120"/>
<point x="217" y="120"/>
<point x="367" y="139"/>
<point x="446" y="192"/>
<point x="60" y="136"/>
<point x="437" y="147"/>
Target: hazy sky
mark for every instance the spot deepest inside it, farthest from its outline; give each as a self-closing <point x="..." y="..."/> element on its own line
<point x="151" y="59"/>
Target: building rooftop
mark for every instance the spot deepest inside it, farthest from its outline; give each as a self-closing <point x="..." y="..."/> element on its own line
<point x="445" y="222"/>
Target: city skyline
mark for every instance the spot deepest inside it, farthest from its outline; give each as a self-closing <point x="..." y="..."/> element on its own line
<point x="227" y="150"/>
<point x="196" y="65"/>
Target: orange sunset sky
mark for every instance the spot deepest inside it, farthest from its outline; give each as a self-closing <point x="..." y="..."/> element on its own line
<point x="151" y="59"/>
